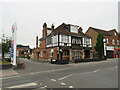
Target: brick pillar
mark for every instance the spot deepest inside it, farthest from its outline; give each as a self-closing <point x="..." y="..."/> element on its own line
<point x="70" y="54"/>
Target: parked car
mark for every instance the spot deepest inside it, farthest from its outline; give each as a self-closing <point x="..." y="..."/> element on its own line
<point x="7" y="57"/>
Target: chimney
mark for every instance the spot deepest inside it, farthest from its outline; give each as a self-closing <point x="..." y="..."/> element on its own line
<point x="52" y="27"/>
<point x="44" y="30"/>
<point x="80" y="30"/>
<point x="36" y="41"/>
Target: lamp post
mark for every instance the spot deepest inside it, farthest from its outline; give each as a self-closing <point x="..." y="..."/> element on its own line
<point x="104" y="41"/>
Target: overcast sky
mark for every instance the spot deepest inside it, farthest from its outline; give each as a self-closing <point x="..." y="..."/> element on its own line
<point x="30" y="17"/>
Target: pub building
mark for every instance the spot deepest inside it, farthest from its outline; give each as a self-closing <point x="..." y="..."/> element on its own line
<point x="65" y="42"/>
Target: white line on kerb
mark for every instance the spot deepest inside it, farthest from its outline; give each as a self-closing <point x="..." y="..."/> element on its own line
<point x="53" y="80"/>
<point x="23" y="85"/>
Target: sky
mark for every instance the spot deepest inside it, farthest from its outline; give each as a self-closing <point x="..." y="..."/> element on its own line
<point x="30" y="16"/>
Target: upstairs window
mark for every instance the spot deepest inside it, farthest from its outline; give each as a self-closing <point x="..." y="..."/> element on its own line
<point x="76" y="40"/>
<point x="113" y="41"/>
<point x="118" y="42"/>
<point x="87" y="41"/>
<point x="49" y="40"/>
<point x="74" y="29"/>
<point x="65" y="38"/>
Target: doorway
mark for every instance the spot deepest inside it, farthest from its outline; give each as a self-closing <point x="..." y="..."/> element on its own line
<point x="87" y="53"/>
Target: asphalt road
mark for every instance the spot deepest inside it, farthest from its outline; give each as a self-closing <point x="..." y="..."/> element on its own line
<point x="39" y="75"/>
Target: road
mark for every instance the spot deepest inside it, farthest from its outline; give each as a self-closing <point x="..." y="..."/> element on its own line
<point x="40" y="75"/>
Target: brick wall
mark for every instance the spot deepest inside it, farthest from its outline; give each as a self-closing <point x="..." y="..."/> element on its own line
<point x="94" y="35"/>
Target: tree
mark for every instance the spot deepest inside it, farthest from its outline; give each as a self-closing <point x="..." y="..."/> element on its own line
<point x="6" y="44"/>
<point x="100" y="45"/>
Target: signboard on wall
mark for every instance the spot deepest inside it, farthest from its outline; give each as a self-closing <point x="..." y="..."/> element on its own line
<point x="109" y="47"/>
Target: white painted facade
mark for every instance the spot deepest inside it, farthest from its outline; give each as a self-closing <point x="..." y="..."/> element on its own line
<point x="65" y="40"/>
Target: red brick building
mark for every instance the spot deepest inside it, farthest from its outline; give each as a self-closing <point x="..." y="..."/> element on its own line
<point x="65" y="42"/>
<point x="23" y="50"/>
<point x="112" y="41"/>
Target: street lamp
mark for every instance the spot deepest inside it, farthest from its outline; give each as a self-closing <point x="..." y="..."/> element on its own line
<point x="104" y="41"/>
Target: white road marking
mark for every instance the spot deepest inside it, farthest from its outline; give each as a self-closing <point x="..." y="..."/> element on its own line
<point x="10" y="77"/>
<point x="78" y="73"/>
<point x="32" y="73"/>
<point x="86" y="72"/>
<point x="70" y="86"/>
<point x="63" y="83"/>
<point x="97" y="70"/>
<point x="65" y="77"/>
<point x="53" y="80"/>
<point x="23" y="85"/>
<point x="116" y="66"/>
<point x="44" y="87"/>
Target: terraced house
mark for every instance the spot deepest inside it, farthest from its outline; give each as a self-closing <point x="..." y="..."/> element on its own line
<point x="65" y="42"/>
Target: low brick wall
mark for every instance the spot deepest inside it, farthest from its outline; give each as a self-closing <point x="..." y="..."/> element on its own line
<point x="59" y="61"/>
<point x="88" y="60"/>
<point x="5" y="66"/>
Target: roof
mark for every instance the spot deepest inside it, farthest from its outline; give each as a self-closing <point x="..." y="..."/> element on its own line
<point x="21" y="46"/>
<point x="63" y="29"/>
<point x="110" y="32"/>
<point x="49" y="28"/>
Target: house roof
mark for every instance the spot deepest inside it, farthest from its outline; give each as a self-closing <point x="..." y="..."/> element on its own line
<point x="21" y="46"/>
<point x="110" y="32"/>
<point x="63" y="29"/>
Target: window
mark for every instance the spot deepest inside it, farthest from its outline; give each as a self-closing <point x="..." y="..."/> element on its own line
<point x="118" y="42"/>
<point x="65" y="52"/>
<point x="74" y="29"/>
<point x="40" y="54"/>
<point x="115" y="33"/>
<point x="87" y="41"/>
<point x="107" y="40"/>
<point x="76" y="40"/>
<point x="65" y="38"/>
<point x="49" y="40"/>
<point x="51" y="52"/>
<point x="113" y="41"/>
